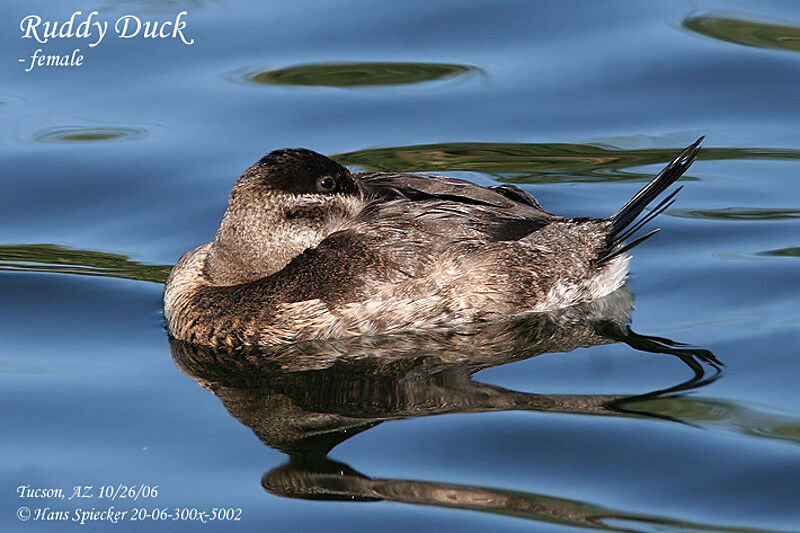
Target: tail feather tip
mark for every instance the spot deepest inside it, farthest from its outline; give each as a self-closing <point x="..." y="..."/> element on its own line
<point x="626" y="215"/>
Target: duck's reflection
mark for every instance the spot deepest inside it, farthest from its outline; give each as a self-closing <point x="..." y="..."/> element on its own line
<point x="304" y="399"/>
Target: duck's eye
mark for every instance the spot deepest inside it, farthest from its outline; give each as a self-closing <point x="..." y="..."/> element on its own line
<point x="326" y="183"/>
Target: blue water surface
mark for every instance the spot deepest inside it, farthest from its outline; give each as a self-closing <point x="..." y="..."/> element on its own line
<point x="112" y="170"/>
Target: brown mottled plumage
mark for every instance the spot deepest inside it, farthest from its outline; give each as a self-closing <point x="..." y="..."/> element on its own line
<point x="307" y="250"/>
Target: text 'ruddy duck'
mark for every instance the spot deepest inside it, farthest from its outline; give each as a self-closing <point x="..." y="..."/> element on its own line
<point x="93" y="30"/>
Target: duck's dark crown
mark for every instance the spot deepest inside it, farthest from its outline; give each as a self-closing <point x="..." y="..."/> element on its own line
<point x="302" y="171"/>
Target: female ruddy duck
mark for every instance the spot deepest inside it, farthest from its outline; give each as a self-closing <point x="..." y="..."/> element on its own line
<point x="307" y="250"/>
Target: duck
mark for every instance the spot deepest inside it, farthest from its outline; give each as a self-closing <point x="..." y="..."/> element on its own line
<point x="308" y="250"/>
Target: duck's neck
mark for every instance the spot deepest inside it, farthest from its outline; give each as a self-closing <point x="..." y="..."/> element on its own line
<point x="245" y="248"/>
<point x="256" y="239"/>
<point x="254" y="246"/>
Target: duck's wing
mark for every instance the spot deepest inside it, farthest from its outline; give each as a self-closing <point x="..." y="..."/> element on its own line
<point x="391" y="185"/>
<point x="451" y="207"/>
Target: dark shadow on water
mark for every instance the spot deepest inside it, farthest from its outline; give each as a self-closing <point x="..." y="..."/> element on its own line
<point x="307" y="398"/>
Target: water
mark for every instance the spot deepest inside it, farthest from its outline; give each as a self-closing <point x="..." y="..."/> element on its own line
<point x="112" y="170"/>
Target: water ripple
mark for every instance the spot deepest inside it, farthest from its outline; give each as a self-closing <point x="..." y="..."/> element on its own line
<point x="79" y="134"/>
<point x="348" y="75"/>
<point x="745" y="32"/>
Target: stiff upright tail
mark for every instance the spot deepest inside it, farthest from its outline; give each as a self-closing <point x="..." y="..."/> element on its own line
<point x="625" y="222"/>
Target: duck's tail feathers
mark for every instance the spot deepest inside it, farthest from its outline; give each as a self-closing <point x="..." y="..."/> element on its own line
<point x="626" y="222"/>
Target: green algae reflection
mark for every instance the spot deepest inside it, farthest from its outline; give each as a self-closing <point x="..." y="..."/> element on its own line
<point x="745" y="32"/>
<point x="738" y="213"/>
<point x="538" y="162"/>
<point x="60" y="260"/>
<point x="782" y="252"/>
<point x="358" y="74"/>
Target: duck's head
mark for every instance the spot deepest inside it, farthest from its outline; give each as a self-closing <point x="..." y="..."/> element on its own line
<point x="290" y="200"/>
